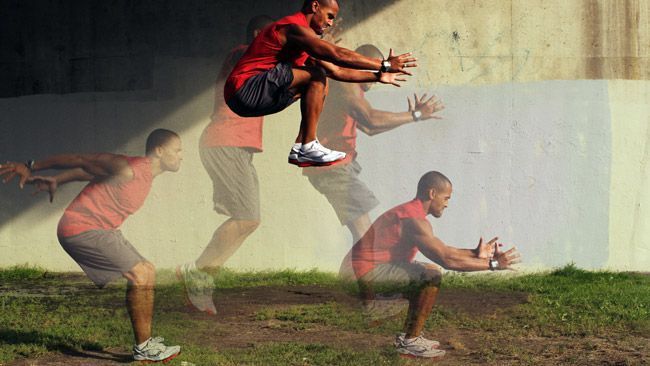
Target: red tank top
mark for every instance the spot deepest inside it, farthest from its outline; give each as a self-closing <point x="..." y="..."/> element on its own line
<point x="387" y="246"/>
<point x="265" y="52"/>
<point x="104" y="205"/>
<point x="226" y="127"/>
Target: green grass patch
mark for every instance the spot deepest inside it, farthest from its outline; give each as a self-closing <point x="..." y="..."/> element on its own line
<point x="21" y="273"/>
<point x="43" y="312"/>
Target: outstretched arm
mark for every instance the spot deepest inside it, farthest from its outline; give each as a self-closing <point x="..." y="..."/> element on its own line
<point x="419" y="231"/>
<point x="373" y="121"/>
<point x="305" y="38"/>
<point x="51" y="183"/>
<point x="103" y="164"/>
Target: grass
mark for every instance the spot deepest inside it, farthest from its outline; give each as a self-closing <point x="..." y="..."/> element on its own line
<point x="38" y="317"/>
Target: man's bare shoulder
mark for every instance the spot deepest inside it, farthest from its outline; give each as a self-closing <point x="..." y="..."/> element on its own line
<point x="416" y="226"/>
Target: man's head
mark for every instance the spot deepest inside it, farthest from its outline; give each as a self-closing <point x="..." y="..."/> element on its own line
<point x="324" y="12"/>
<point x="255" y="25"/>
<point x="435" y="188"/>
<point x="371" y="51"/>
<point x="165" y="145"/>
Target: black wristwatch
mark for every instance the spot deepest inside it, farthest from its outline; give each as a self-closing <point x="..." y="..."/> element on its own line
<point x="385" y="66"/>
<point x="494" y="264"/>
<point x="416" y="115"/>
<point x="30" y="164"/>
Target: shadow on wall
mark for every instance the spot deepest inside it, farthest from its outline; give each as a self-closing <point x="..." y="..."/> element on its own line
<point x="119" y="69"/>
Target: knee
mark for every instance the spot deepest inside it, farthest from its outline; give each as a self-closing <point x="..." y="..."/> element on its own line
<point x="142" y="274"/>
<point x="318" y="75"/>
<point x="248" y="226"/>
<point x="432" y="276"/>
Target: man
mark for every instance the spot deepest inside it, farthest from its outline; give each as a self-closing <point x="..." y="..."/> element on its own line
<point x="227" y="146"/>
<point x="89" y="229"/>
<point x="346" y="111"/>
<point x="385" y="256"/>
<point x="288" y="61"/>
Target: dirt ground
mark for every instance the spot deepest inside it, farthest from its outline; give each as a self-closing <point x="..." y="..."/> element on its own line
<point x="237" y="310"/>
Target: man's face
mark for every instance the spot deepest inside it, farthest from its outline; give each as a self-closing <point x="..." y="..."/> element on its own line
<point x="440" y="200"/>
<point x="324" y="16"/>
<point x="171" y="155"/>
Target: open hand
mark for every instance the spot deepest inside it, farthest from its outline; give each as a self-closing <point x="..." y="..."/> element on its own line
<point x="392" y="78"/>
<point x="11" y="169"/>
<point x="399" y="63"/>
<point x="43" y="184"/>
<point x="508" y="258"/>
<point x="485" y="250"/>
<point x="428" y="107"/>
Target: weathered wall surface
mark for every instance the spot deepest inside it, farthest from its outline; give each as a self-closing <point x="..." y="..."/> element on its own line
<point x="539" y="155"/>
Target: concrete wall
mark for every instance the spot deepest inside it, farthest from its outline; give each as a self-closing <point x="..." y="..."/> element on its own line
<point x="545" y="134"/>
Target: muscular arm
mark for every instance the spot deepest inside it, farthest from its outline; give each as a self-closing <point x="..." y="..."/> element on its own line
<point x="103" y="164"/>
<point x="419" y="231"/>
<point x="306" y="39"/>
<point x="73" y="175"/>
<point x="373" y="121"/>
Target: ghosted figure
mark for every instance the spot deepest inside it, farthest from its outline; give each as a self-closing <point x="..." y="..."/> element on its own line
<point x="226" y="148"/>
<point x="383" y="261"/>
<point x="345" y="111"/>
<point x="288" y="61"/>
<point x="89" y="229"/>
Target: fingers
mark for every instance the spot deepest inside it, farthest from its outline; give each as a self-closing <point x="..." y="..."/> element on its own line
<point x="390" y="53"/>
<point x="23" y="179"/>
<point x="404" y="72"/>
<point x="410" y="103"/>
<point x="9" y="177"/>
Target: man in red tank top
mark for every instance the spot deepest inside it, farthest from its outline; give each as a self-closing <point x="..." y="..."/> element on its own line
<point x="226" y="149"/>
<point x="384" y="256"/>
<point x="345" y="112"/>
<point x="89" y="229"/>
<point x="288" y="61"/>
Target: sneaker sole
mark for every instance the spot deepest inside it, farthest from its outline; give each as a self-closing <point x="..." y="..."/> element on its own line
<point x="411" y="356"/>
<point x="163" y="361"/>
<point x="305" y="164"/>
<point x="188" y="302"/>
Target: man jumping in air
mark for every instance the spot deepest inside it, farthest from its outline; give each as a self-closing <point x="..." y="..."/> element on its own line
<point x="89" y="229"/>
<point x="385" y="257"/>
<point x="288" y="61"/>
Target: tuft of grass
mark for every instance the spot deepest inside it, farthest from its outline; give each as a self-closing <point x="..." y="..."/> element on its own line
<point x="22" y="273"/>
<point x="226" y="278"/>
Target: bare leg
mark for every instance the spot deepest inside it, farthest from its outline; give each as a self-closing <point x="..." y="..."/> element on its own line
<point x="139" y="299"/>
<point x="420" y="307"/>
<point x="357" y="228"/>
<point x="311" y="84"/>
<point x="225" y="242"/>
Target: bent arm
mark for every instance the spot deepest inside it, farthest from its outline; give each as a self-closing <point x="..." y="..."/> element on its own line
<point x="419" y="231"/>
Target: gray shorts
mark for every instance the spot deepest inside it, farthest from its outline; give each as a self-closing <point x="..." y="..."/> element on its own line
<point x="399" y="277"/>
<point x="236" y="190"/>
<point x="264" y="93"/>
<point x="347" y="194"/>
<point x="104" y="255"/>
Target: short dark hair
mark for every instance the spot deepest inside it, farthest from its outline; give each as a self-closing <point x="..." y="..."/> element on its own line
<point x="370" y="50"/>
<point x="159" y="137"/>
<point x="322" y="2"/>
<point x="258" y="22"/>
<point x="432" y="179"/>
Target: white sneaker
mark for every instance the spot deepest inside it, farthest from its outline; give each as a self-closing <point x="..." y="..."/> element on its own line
<point x="399" y="338"/>
<point x="155" y="351"/>
<point x="418" y="347"/>
<point x="293" y="153"/>
<point x="315" y="154"/>
<point x="198" y="288"/>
